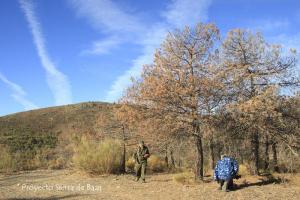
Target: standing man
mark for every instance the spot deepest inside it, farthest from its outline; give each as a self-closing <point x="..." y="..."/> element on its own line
<point x="226" y="169"/>
<point x="141" y="156"/>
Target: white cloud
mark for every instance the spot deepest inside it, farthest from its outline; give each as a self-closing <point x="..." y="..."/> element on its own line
<point x="57" y="81"/>
<point x="187" y="12"/>
<point x="103" y="46"/>
<point x="151" y="42"/>
<point x="107" y="18"/>
<point x="105" y="15"/>
<point x="178" y="14"/>
<point x="18" y="93"/>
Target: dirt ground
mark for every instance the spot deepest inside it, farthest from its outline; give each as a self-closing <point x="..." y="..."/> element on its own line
<point x="68" y="184"/>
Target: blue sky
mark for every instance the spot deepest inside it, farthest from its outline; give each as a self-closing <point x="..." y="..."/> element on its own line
<point x="56" y="52"/>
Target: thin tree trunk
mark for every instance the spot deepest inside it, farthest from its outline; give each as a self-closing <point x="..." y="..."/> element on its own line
<point x="219" y="151"/>
<point x="199" y="158"/>
<point x="172" y="158"/>
<point x="267" y="159"/>
<point x="242" y="155"/>
<point x="123" y="158"/>
<point x="166" y="156"/>
<point x="275" y="162"/>
<point x="212" y="154"/>
<point x="179" y="162"/>
<point x="255" y="137"/>
<point x="255" y="153"/>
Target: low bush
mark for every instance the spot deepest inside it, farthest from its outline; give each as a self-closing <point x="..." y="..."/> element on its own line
<point x="58" y="163"/>
<point x="7" y="162"/>
<point x="130" y="163"/>
<point x="243" y="170"/>
<point x="98" y="158"/>
<point x="157" y="164"/>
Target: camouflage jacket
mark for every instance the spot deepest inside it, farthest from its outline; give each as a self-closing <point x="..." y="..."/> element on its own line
<point x="226" y="169"/>
<point x="140" y="153"/>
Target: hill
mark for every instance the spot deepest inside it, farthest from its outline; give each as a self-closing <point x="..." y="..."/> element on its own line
<point x="52" y="129"/>
<point x="60" y="119"/>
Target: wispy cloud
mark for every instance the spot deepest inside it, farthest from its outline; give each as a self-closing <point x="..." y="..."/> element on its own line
<point x="18" y="93"/>
<point x="151" y="41"/>
<point x="107" y="18"/>
<point x="57" y="81"/>
<point x="179" y="13"/>
<point x="105" y="15"/>
<point x="103" y="46"/>
<point x="187" y="12"/>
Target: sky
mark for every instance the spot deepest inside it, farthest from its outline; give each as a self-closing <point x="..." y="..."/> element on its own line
<point x="57" y="52"/>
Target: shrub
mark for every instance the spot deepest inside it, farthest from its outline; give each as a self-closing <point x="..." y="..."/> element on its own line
<point x="98" y="158"/>
<point x="287" y="161"/>
<point x="58" y="163"/>
<point x="130" y="163"/>
<point x="7" y="162"/>
<point x="27" y="141"/>
<point x="243" y="170"/>
<point x="156" y="164"/>
<point x="30" y="151"/>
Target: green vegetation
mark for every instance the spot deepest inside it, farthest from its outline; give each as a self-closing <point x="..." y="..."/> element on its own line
<point x="50" y="138"/>
<point x="98" y="157"/>
<point x="7" y="163"/>
<point x="43" y="138"/>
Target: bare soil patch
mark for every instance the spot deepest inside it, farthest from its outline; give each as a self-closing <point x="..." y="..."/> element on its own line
<point x="68" y="184"/>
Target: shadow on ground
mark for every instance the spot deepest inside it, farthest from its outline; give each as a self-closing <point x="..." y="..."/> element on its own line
<point x="265" y="180"/>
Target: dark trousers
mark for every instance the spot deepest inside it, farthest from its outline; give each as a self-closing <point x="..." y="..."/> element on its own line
<point x="225" y="185"/>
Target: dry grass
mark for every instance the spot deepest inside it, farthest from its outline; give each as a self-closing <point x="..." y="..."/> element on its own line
<point x="7" y="162"/>
<point x="130" y="163"/>
<point x="184" y="178"/>
<point x="158" y="186"/>
<point x="98" y="158"/>
<point x="243" y="170"/>
<point x="156" y="164"/>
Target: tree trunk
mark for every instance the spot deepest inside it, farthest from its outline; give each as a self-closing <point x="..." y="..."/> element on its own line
<point x="267" y="159"/>
<point x="172" y="158"/>
<point x="275" y="162"/>
<point x="219" y="151"/>
<point x="166" y="156"/>
<point x="255" y="153"/>
<point x="255" y="138"/>
<point x="179" y="162"/>
<point x="212" y="154"/>
<point x="199" y="158"/>
<point x="123" y="158"/>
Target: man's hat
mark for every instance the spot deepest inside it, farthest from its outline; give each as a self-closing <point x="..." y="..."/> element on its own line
<point x="141" y="142"/>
